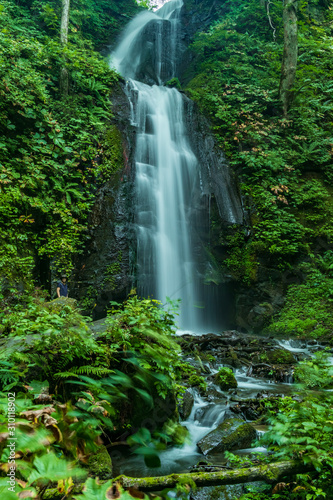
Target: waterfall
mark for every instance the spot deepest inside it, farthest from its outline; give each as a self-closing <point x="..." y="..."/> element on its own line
<point x="166" y="169"/>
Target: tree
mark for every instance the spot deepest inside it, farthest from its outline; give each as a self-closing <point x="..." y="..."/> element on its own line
<point x="64" y="79"/>
<point x="147" y="4"/>
<point x="290" y="51"/>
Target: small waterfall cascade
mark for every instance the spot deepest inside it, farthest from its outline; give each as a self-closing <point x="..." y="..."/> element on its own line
<point x="166" y="169"/>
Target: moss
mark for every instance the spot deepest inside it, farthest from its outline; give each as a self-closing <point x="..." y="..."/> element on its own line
<point x="112" y="153"/>
<point x="100" y="464"/>
<point x="198" y="381"/>
<point x="242" y="258"/>
<point x="244" y="433"/>
<point x="58" y="305"/>
<point x="174" y="83"/>
<point x="225" y="379"/>
<point x="278" y="356"/>
<point x="112" y="270"/>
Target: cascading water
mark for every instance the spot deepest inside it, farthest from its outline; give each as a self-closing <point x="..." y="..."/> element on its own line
<point x="167" y="171"/>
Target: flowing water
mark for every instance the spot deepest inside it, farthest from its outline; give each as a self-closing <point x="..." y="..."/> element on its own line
<point x="167" y="172"/>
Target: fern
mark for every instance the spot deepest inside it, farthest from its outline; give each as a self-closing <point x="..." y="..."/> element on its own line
<point x="7" y="377"/>
<point x="85" y="370"/>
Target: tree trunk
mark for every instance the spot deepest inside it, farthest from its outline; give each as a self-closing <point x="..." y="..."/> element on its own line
<point x="64" y="77"/>
<point x="270" y="473"/>
<point x="290" y="50"/>
<point x="64" y="21"/>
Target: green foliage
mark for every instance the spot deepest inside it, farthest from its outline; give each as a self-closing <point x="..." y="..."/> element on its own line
<point x="315" y="372"/>
<point x="146" y="4"/>
<point x="143" y="327"/>
<point x="43" y="337"/>
<point x="225" y="378"/>
<point x="53" y="149"/>
<point x="198" y="381"/>
<point x="284" y="163"/>
<point x="59" y="338"/>
<point x="305" y="433"/>
<point x="174" y="83"/>
<point x="308" y="307"/>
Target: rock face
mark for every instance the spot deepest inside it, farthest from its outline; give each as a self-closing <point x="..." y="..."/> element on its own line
<point x="103" y="271"/>
<point x="232" y="434"/>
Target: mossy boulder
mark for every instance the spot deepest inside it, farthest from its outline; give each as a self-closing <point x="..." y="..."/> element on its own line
<point x="100" y="464"/>
<point x="278" y="357"/>
<point x="57" y="305"/>
<point x="232" y="434"/>
<point x="225" y="379"/>
<point x="199" y="382"/>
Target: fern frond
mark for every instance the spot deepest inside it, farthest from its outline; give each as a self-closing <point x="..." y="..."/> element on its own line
<point x="91" y="370"/>
<point x="66" y="375"/>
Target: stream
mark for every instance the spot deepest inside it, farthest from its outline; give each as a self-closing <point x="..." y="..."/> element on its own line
<point x="211" y="409"/>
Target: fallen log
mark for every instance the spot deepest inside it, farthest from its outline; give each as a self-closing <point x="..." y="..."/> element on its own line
<point x="270" y="473"/>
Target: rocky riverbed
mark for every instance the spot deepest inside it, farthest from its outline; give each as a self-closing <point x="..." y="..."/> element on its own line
<point x="226" y="419"/>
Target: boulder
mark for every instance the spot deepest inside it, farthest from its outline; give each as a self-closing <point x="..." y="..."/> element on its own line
<point x="281" y="357"/>
<point x="58" y="304"/>
<point x="186" y="405"/>
<point x="232" y="434"/>
<point x="225" y="379"/>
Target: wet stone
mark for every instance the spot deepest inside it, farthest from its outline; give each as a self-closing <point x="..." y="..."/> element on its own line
<point x="232" y="434"/>
<point x="185" y="407"/>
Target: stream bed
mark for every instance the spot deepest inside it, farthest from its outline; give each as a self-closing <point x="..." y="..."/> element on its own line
<point x="213" y="407"/>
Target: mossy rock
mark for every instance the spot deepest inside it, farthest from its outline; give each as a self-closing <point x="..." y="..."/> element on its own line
<point x="100" y="464"/>
<point x="198" y="381"/>
<point x="58" y="304"/>
<point x="225" y="379"/>
<point x="232" y="434"/>
<point x="280" y="357"/>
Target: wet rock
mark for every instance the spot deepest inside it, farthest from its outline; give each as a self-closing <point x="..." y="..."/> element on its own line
<point x="254" y="408"/>
<point x="214" y="394"/>
<point x="232" y="434"/>
<point x="227" y="492"/>
<point x="260" y="315"/>
<point x="103" y="271"/>
<point x="185" y="407"/>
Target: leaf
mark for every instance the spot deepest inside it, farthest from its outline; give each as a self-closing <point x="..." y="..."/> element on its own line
<point x="51" y="468"/>
<point x="145" y="396"/>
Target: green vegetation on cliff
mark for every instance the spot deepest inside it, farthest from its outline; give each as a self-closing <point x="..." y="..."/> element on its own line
<point x="54" y="149"/>
<point x="284" y="162"/>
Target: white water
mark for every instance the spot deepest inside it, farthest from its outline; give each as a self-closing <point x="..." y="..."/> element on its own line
<point x="134" y="49"/>
<point x="166" y="167"/>
<point x="166" y="171"/>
